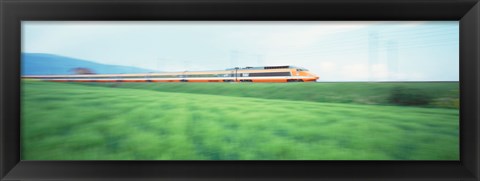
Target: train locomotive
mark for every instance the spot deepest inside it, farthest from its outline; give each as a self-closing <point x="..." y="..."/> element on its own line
<point x="246" y="74"/>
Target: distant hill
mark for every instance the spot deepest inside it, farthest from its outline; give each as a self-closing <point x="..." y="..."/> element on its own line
<point x="49" y="64"/>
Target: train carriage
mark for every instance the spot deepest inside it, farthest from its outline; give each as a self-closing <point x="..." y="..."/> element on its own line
<point x="246" y="74"/>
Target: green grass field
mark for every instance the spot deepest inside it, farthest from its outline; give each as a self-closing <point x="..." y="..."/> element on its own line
<point x="443" y="95"/>
<point x="237" y="121"/>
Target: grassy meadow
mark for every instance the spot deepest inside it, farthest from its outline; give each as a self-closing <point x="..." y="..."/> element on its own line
<point x="240" y="121"/>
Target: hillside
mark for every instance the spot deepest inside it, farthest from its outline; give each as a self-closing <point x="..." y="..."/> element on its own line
<point x="49" y="64"/>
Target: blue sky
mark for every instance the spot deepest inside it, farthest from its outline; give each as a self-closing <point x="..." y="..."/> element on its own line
<point x="336" y="51"/>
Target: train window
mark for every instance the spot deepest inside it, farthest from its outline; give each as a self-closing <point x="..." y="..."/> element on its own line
<point x="132" y="77"/>
<point x="266" y="74"/>
<point x="163" y="76"/>
<point x="101" y="77"/>
<point x="277" y="67"/>
<point x="201" y="75"/>
<point x="244" y="74"/>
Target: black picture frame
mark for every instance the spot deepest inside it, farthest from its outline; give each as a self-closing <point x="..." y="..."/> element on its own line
<point x="12" y="12"/>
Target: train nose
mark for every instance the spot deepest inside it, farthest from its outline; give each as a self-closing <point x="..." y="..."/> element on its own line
<point x="315" y="76"/>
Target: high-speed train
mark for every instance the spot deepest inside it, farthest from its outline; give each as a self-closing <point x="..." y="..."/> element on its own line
<point x="246" y="74"/>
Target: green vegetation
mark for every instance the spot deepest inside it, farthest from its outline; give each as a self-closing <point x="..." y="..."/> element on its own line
<point x="180" y="121"/>
<point x="441" y="95"/>
<point x="409" y="97"/>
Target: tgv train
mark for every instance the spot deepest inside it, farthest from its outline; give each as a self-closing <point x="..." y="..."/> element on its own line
<point x="246" y="74"/>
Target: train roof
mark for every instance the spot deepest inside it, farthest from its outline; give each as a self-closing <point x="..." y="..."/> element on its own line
<point x="265" y="67"/>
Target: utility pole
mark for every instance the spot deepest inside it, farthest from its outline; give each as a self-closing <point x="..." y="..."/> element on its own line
<point x="236" y="74"/>
<point x="233" y="58"/>
<point x="260" y="59"/>
<point x="392" y="57"/>
<point x="185" y="63"/>
<point x="372" y="52"/>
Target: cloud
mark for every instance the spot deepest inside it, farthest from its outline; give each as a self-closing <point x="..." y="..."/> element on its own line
<point x="374" y="72"/>
<point x="354" y="72"/>
<point x="327" y="66"/>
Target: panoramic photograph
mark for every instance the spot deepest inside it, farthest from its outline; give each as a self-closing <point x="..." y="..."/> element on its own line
<point x="240" y="90"/>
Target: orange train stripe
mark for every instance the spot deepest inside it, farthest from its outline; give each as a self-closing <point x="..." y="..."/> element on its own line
<point x="165" y="80"/>
<point x="106" y="81"/>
